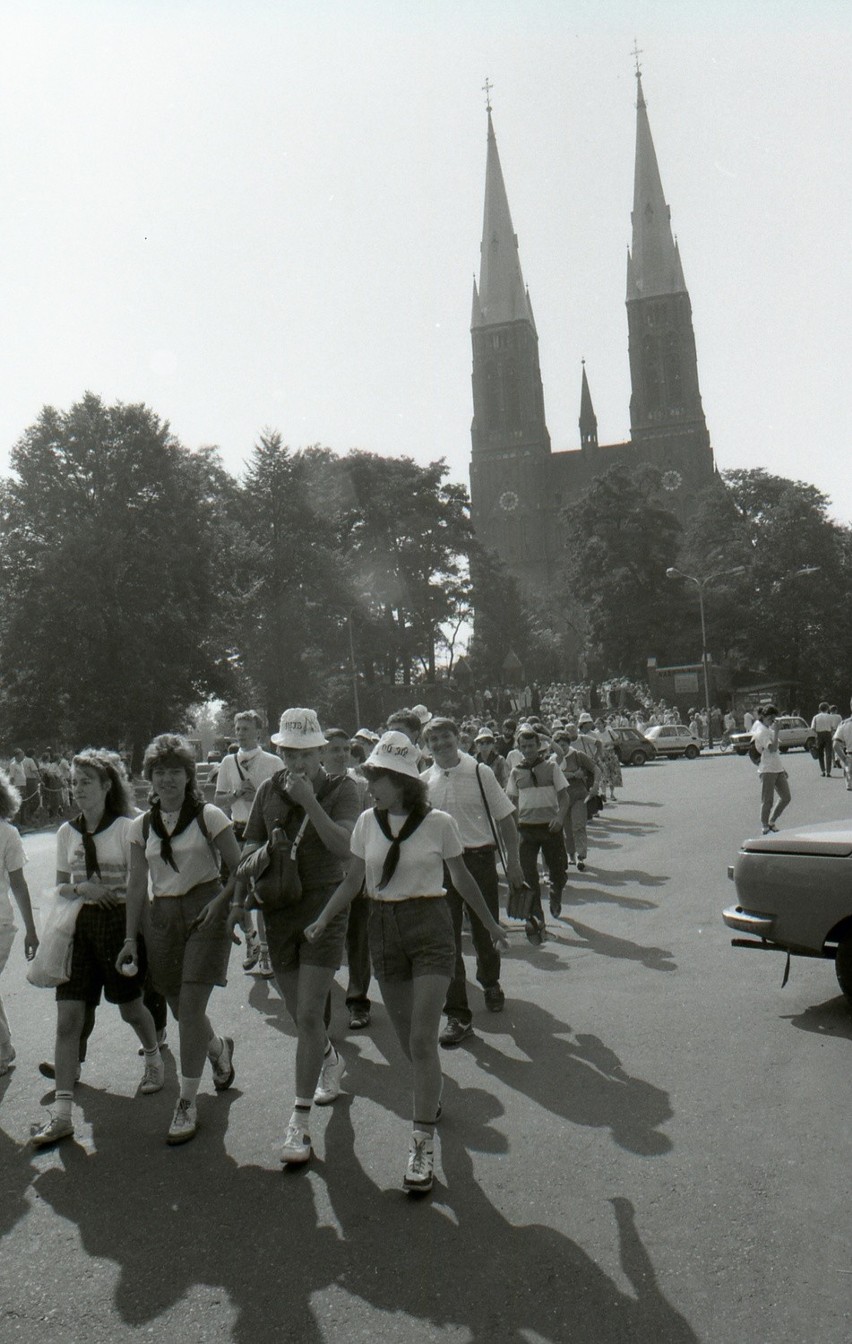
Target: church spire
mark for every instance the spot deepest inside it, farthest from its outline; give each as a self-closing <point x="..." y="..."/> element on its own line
<point x="653" y="263"/>
<point x="588" y="419"/>
<point x="502" y="293"/>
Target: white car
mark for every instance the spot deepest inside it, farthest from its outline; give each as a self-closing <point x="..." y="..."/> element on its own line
<point x="793" y="732"/>
<point x="673" y="739"/>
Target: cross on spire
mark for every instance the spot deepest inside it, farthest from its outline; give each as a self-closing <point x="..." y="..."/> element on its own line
<point x="486" y="89"/>
<point x="636" y="53"/>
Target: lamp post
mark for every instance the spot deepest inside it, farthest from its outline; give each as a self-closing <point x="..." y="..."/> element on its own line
<point x="354" y="670"/>
<point x="701" y="584"/>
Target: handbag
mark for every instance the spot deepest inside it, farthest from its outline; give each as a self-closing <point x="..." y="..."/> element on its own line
<point x="273" y="871"/>
<point x="51" y="964"/>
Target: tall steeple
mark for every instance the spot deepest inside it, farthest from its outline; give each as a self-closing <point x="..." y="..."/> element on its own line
<point x="588" y="419"/>
<point x="653" y="264"/>
<point x="502" y="294"/>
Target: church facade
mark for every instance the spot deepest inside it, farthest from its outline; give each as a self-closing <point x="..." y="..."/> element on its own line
<point x="518" y="484"/>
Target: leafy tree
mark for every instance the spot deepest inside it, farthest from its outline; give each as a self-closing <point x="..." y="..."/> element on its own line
<point x="110" y="624"/>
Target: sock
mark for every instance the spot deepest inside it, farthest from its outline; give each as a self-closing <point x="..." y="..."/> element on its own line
<point x="152" y="1056"/>
<point x="302" y="1113"/>
<point x="424" y="1129"/>
<point x="189" y="1088"/>
<point x="62" y="1105"/>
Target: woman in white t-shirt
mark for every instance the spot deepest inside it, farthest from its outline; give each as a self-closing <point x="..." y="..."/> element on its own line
<point x="179" y="845"/>
<point x="773" y="776"/>
<point x="12" y="878"/>
<point x="92" y="865"/>
<point x="401" y="847"/>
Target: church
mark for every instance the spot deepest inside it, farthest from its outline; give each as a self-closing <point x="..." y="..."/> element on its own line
<point x="518" y="484"/>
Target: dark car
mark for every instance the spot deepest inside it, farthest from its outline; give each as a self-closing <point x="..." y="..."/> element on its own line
<point x="794" y="893"/>
<point x="631" y="747"/>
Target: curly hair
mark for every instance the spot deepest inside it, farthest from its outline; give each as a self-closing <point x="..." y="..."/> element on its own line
<point x="173" y="750"/>
<point x="415" y="793"/>
<point x="10" y="799"/>
<point x="109" y="767"/>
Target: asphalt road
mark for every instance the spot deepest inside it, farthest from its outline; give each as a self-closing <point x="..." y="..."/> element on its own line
<point x="651" y="1144"/>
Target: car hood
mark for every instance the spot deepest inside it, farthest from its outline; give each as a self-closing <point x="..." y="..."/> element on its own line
<point x="833" y="838"/>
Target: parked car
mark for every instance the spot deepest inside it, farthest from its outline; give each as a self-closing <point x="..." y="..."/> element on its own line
<point x="794" y="732"/>
<point x="631" y="747"/>
<point x="794" y="892"/>
<point x="674" y="739"/>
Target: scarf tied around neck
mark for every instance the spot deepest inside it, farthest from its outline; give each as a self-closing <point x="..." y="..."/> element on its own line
<point x="412" y="821"/>
<point x="90" y="853"/>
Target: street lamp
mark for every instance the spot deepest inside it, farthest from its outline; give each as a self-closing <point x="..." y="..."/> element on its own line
<point x="701" y="584"/>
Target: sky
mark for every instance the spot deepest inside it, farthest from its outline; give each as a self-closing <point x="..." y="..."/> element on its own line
<point x="259" y="215"/>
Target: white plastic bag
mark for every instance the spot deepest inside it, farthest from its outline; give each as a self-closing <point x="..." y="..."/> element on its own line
<point x="51" y="964"/>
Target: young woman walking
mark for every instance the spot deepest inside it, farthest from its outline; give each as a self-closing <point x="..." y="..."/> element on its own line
<point x="12" y="878"/>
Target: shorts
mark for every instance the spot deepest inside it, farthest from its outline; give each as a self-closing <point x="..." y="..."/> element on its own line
<point x="285" y="934"/>
<point x="180" y="955"/>
<point x="412" y="937"/>
<point x="98" y="937"/>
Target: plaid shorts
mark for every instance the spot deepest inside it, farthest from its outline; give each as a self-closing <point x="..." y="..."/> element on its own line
<point x="178" y="954"/>
<point x="285" y="934"/>
<point x="98" y="936"/>
<point x="412" y="937"/>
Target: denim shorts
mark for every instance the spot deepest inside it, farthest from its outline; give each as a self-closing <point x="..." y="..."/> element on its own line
<point x="412" y="937"/>
<point x="177" y="953"/>
<point x="285" y="934"/>
<point x="98" y="936"/>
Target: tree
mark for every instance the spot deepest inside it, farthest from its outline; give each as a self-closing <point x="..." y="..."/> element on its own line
<point x="110" y="622"/>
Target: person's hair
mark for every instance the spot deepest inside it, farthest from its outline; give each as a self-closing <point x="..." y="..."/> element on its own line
<point x="823" y="706"/>
<point x="408" y="718"/>
<point x="10" y="799"/>
<point x="414" y="791"/>
<point x="357" y="752"/>
<point x="770" y="709"/>
<point x="109" y="767"/>
<point x="246" y="715"/>
<point x="171" y="748"/>
<point x="439" y="724"/>
<point x="335" y="734"/>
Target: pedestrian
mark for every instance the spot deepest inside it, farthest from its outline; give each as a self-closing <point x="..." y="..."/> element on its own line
<point x="335" y="758"/>
<point x="92" y="867"/>
<point x="179" y="846"/>
<point x="401" y="848"/>
<point x="773" y="776"/>
<point x="579" y="771"/>
<point x="485" y="750"/>
<point x="12" y="860"/>
<point x="842" y="745"/>
<point x="539" y="789"/>
<point x="304" y="815"/>
<point x="240" y="775"/>
<point x="468" y="790"/>
<point x="824" y="727"/>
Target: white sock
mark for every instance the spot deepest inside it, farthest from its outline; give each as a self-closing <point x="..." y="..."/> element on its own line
<point x="153" y="1056"/>
<point x="62" y="1105"/>
<point x="189" y="1088"/>
<point x="302" y="1114"/>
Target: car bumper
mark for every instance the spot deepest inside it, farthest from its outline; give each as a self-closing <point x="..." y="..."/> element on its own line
<point x="747" y="921"/>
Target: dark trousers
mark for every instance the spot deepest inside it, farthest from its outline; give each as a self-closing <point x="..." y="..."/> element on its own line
<point x="824" y="752"/>
<point x="482" y="866"/>
<point x="552" y="846"/>
<point x="358" y="954"/>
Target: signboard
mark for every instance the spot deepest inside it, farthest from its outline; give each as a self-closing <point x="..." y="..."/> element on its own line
<point x="686" y="683"/>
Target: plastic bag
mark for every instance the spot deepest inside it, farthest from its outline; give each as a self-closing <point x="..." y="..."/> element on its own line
<point x="51" y="964"/>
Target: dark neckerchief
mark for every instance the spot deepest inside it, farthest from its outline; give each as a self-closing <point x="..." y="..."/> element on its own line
<point x="412" y="821"/>
<point x="90" y="853"/>
<point x="532" y="766"/>
<point x="188" y="812"/>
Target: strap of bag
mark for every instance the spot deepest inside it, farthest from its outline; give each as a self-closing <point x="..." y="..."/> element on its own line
<point x="498" y="842"/>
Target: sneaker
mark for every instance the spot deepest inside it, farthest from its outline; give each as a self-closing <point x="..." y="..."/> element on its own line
<point x="534" y="929"/>
<point x="454" y="1033"/>
<point x="421" y="1161"/>
<point x="252" y="955"/>
<point x="264" y="965"/>
<point x="495" y="999"/>
<point x="154" y="1076"/>
<point x="223" y="1066"/>
<point x="297" y="1146"/>
<point x="51" y="1131"/>
<point x="47" y="1069"/>
<point x="359" y="1018"/>
<point x="581" y="865"/>
<point x="328" y="1087"/>
<point x="555" y="907"/>
<point x="184" y="1123"/>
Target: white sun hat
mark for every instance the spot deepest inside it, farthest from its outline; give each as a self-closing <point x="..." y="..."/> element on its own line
<point x="299" y="729"/>
<point x="423" y="713"/>
<point x="395" y="752"/>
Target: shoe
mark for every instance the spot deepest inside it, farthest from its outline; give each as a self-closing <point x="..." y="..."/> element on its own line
<point x="264" y="966"/>
<point x="454" y="1033"/>
<point x="47" y="1069"/>
<point x="581" y="865"/>
<point x="328" y="1087"/>
<point x="534" y="929"/>
<point x="153" y="1078"/>
<point x="359" y="1018"/>
<point x="51" y="1131"/>
<point x="495" y="999"/>
<point x="297" y="1146"/>
<point x="421" y="1161"/>
<point x="555" y="908"/>
<point x="223" y="1066"/>
<point x="184" y="1123"/>
<point x="252" y="955"/>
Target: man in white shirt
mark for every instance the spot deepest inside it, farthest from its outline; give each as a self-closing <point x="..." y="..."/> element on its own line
<point x="238" y="780"/>
<point x="842" y="745"/>
<point x="460" y="785"/>
<point x="773" y="776"/>
<point x="824" y="726"/>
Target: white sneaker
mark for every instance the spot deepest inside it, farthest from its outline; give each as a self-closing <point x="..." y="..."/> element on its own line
<point x="328" y="1087"/>
<point x="264" y="965"/>
<point x="223" y="1066"/>
<point x="421" y="1161"/>
<point x="297" y="1146"/>
<point x="154" y="1076"/>
<point x="51" y="1131"/>
<point x="252" y="955"/>
<point x="184" y="1124"/>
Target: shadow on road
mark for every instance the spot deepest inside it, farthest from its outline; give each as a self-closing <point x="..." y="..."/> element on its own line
<point x="622" y="949"/>
<point x="832" y="1018"/>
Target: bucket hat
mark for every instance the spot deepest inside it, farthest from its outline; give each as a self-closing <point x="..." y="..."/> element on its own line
<point x="396" y="753"/>
<point x="299" y="729"/>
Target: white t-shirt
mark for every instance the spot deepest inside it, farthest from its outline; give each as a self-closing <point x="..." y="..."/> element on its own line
<point x="843" y="734"/>
<point x="770" y="758"/>
<point x="420" y="871"/>
<point x="257" y="766"/>
<point x="112" y="847"/>
<point x="197" y="860"/>
<point x="457" y="791"/>
<point x="17" y="774"/>
<point x="12" y="857"/>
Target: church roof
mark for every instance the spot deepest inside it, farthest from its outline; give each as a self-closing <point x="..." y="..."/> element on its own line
<point x="588" y="419"/>
<point x="653" y="262"/>
<point x="502" y="295"/>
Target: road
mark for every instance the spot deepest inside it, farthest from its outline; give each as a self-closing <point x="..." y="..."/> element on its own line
<point x="651" y="1144"/>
